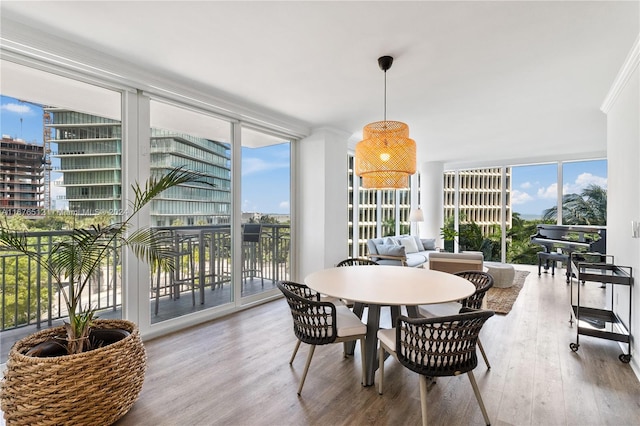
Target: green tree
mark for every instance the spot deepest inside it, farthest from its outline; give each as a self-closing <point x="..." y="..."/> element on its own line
<point x="389" y="228"/>
<point x="587" y="208"/>
<point x="519" y="246"/>
<point x="18" y="292"/>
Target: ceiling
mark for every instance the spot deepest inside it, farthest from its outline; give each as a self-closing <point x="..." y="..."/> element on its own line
<point x="475" y="81"/>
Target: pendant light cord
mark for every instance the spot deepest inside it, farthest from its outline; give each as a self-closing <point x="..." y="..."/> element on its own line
<point x="385" y="95"/>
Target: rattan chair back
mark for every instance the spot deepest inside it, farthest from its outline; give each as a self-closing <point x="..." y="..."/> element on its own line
<point x="356" y="261"/>
<point x="483" y="283"/>
<point x="440" y="346"/>
<point x="314" y="322"/>
<point x="301" y="290"/>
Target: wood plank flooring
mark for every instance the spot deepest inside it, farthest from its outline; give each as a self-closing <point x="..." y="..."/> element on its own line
<point x="235" y="371"/>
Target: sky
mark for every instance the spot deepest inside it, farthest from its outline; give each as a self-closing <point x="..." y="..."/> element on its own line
<point x="265" y="171"/>
<point x="266" y="180"/>
<point x="534" y="188"/>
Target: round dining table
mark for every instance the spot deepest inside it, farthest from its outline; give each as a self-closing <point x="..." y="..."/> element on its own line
<point x="384" y="285"/>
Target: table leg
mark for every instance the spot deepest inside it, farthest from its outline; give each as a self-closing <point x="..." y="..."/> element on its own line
<point x="413" y="312"/>
<point x="371" y="344"/>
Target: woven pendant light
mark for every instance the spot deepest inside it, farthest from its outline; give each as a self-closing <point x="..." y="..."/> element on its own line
<point x="386" y="156"/>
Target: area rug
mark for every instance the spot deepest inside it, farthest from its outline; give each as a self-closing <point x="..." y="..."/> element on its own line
<point x="500" y="300"/>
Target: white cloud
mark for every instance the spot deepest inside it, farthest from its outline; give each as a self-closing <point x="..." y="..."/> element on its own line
<point x="582" y="181"/>
<point x="284" y="205"/>
<point x="248" y="206"/>
<point x="520" y="197"/>
<point x="17" y="108"/>
<point x="550" y="192"/>
<point x="258" y="165"/>
<point x="526" y="185"/>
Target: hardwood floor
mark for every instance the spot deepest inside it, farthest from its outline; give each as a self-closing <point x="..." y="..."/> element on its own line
<point x="235" y="371"/>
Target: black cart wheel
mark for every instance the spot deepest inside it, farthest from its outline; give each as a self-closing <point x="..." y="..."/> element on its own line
<point x="574" y="346"/>
<point x="626" y="358"/>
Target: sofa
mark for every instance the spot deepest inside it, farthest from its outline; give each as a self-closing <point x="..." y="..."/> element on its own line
<point x="456" y="262"/>
<point x="402" y="250"/>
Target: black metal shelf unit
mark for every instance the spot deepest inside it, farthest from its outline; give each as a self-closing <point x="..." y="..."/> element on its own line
<point x="595" y="322"/>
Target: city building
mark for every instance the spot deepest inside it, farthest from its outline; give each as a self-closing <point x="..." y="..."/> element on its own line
<point x="21" y="177"/>
<point x="364" y="224"/>
<point x="90" y="152"/>
<point x="480" y="197"/>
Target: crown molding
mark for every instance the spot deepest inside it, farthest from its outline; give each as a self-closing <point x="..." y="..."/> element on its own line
<point x="628" y="67"/>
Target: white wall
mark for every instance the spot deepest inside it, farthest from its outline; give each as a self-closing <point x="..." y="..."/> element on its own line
<point x="623" y="204"/>
<point x="323" y="201"/>
<point x="431" y="193"/>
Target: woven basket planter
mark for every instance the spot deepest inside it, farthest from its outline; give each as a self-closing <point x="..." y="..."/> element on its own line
<point x="91" y="388"/>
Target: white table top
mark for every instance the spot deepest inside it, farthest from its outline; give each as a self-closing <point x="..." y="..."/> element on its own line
<point x="390" y="285"/>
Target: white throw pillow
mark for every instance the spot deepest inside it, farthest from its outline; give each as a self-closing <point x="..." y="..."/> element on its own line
<point x="409" y="244"/>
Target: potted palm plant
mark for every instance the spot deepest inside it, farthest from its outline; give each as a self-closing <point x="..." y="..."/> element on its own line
<point x="74" y="373"/>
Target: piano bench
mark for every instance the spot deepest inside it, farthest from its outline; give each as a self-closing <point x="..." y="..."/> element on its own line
<point x="552" y="257"/>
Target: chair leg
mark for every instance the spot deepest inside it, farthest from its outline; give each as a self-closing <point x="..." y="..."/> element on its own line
<point x="484" y="355"/>
<point x="380" y="368"/>
<point x="295" y="351"/>
<point x="362" y="361"/>
<point x="423" y="398"/>
<point x="474" y="385"/>
<point x="306" y="367"/>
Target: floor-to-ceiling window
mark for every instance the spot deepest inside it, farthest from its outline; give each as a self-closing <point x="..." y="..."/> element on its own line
<point x="60" y="167"/>
<point x="197" y="215"/>
<point x="481" y="195"/>
<point x="266" y="211"/>
<point x="80" y="145"/>
<point x="376" y="212"/>
<point x="500" y="207"/>
<point x="534" y="191"/>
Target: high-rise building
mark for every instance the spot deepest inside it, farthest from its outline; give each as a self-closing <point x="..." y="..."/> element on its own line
<point x="197" y="203"/>
<point x="90" y="152"/>
<point x="89" y="148"/>
<point x="21" y="177"/>
<point x="480" y="197"/>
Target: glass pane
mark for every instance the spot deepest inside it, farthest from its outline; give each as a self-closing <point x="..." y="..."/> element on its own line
<point x="60" y="168"/>
<point x="198" y="216"/>
<point x="266" y="211"/>
<point x="584" y="193"/>
<point x="367" y="216"/>
<point x="388" y="209"/>
<point x="480" y="205"/>
<point x="533" y="196"/>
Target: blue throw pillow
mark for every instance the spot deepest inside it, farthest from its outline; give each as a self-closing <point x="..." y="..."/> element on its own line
<point x="391" y="250"/>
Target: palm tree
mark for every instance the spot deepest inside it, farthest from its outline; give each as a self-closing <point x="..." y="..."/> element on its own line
<point x="74" y="260"/>
<point x="587" y="208"/>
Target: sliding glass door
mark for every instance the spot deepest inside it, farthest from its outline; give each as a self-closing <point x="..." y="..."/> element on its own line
<point x="266" y="212"/>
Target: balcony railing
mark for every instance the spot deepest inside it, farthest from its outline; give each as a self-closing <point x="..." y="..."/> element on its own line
<point x="29" y="297"/>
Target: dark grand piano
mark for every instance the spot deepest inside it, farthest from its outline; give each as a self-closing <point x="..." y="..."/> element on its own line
<point x="560" y="242"/>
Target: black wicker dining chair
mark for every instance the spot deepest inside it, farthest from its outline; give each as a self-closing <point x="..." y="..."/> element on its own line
<point x="435" y="347"/>
<point x="483" y="282"/>
<point x="355" y="261"/>
<point x="302" y="291"/>
<point x="316" y="322"/>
